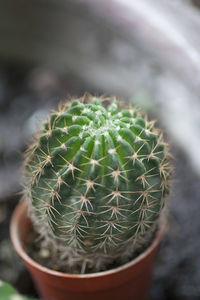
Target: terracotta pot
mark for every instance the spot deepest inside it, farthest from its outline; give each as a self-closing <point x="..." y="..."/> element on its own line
<point x="130" y="281"/>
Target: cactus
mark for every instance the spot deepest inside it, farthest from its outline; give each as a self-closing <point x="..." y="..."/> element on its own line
<point x="96" y="179"/>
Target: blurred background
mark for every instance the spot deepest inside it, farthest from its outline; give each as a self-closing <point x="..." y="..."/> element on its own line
<point x="147" y="52"/>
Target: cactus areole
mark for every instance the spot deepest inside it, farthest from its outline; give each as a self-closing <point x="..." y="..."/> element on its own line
<point x="96" y="179"/>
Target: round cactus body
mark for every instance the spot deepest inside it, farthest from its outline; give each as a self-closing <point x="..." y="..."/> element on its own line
<point x="96" y="178"/>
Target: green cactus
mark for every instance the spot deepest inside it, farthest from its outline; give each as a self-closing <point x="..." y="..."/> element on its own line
<point x="96" y="178"/>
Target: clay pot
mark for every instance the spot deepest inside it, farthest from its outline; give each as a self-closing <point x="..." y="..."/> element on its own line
<point x="130" y="281"/>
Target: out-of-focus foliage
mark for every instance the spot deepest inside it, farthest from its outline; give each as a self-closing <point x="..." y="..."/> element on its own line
<point x="7" y="292"/>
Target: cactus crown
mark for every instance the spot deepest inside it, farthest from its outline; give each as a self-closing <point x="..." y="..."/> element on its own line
<point x="96" y="178"/>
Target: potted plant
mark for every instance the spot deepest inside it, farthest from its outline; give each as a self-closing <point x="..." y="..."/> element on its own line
<point x="95" y="183"/>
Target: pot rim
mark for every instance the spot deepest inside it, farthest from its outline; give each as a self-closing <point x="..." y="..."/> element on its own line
<point x="19" y="213"/>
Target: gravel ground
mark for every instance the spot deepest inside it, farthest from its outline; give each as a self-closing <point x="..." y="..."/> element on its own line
<point x="27" y="95"/>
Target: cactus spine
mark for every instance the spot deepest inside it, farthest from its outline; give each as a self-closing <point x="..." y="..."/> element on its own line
<point x="96" y="178"/>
